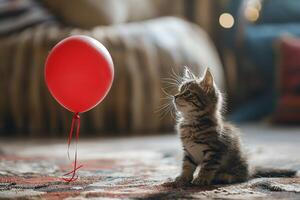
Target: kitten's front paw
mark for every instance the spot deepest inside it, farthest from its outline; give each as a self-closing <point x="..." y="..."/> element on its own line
<point x="182" y="181"/>
<point x="201" y="181"/>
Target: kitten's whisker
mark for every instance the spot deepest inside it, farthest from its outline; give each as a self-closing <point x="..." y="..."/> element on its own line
<point x="171" y="83"/>
<point x="170" y="86"/>
<point x="165" y="107"/>
<point x="171" y="80"/>
<point x="168" y="107"/>
<point x="171" y="89"/>
<point x="166" y="93"/>
<point x="167" y="97"/>
<point x="162" y="107"/>
<point x="175" y="74"/>
<point x="166" y="103"/>
<point x="164" y="114"/>
<point x="179" y="80"/>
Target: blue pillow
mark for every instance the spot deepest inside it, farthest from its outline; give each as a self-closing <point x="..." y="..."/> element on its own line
<point x="259" y="44"/>
<point x="280" y="11"/>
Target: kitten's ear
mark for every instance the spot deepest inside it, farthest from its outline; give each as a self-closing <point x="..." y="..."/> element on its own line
<point x="208" y="79"/>
<point x="187" y="74"/>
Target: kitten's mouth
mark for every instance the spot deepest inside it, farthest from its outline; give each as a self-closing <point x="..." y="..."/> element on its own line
<point x="175" y="102"/>
<point x="178" y="104"/>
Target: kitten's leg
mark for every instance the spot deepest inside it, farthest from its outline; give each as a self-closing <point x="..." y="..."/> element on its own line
<point x="209" y="167"/>
<point x="187" y="171"/>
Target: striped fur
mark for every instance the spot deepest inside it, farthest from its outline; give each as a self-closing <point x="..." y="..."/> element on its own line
<point x="208" y="142"/>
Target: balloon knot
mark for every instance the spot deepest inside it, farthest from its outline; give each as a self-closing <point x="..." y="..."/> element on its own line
<point x="76" y="116"/>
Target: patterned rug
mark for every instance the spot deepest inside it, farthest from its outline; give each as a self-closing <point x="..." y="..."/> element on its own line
<point x="137" y="168"/>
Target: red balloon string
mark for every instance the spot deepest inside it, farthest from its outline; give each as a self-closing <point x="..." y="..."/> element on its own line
<point x="74" y="177"/>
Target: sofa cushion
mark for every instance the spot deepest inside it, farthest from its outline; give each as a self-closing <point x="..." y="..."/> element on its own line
<point x="16" y="16"/>
<point x="90" y="13"/>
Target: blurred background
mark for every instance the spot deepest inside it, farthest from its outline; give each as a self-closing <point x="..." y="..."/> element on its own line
<point x="251" y="46"/>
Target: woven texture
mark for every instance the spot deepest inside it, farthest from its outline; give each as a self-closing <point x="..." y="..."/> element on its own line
<point x="143" y="53"/>
<point x="138" y="167"/>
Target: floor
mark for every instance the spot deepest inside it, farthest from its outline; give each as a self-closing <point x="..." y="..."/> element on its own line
<point x="138" y="167"/>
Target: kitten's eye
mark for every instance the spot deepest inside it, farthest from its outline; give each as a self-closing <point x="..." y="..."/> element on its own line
<point x="182" y="88"/>
<point x="186" y="93"/>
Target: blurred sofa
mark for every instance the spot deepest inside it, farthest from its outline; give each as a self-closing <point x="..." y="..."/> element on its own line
<point x="255" y="42"/>
<point x="145" y="47"/>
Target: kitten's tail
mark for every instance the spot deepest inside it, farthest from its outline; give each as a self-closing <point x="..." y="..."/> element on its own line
<point x="272" y="172"/>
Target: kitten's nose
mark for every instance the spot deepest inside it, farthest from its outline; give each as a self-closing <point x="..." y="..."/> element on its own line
<point x="174" y="99"/>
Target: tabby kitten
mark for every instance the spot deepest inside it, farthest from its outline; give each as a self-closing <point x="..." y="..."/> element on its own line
<point x="208" y="141"/>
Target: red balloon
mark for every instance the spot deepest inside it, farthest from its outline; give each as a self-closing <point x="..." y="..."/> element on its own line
<point x="79" y="73"/>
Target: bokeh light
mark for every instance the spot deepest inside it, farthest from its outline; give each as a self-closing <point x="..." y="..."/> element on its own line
<point x="251" y="14"/>
<point x="226" y="20"/>
<point x="252" y="10"/>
